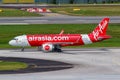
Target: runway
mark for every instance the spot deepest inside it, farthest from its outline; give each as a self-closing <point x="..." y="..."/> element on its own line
<point x="56" y="19"/>
<point x="89" y="64"/>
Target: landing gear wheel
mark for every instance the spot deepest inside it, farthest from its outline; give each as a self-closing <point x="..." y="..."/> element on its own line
<point x="39" y="48"/>
<point x="22" y="49"/>
<point x="59" y="50"/>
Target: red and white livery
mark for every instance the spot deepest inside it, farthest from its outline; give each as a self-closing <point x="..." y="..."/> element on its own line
<point x="38" y="10"/>
<point x="54" y="42"/>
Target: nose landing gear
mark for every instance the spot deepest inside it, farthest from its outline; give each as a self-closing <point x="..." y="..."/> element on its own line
<point x="22" y="49"/>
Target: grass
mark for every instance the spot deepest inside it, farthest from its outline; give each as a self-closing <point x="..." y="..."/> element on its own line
<point x="16" y="13"/>
<point x="6" y="65"/>
<point x="89" y="11"/>
<point x="7" y="32"/>
<point x="97" y="10"/>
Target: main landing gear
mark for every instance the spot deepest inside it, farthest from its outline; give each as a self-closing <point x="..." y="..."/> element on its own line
<point x="57" y="49"/>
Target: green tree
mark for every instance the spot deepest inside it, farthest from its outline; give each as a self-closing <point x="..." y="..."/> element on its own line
<point x="95" y="1"/>
<point x="71" y="1"/>
<point x="54" y="1"/>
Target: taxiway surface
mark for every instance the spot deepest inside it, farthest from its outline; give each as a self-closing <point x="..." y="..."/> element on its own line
<point x="35" y="65"/>
<point x="89" y="64"/>
<point x="56" y="19"/>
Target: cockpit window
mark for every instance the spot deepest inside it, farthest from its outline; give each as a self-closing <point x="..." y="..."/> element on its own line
<point x="15" y="39"/>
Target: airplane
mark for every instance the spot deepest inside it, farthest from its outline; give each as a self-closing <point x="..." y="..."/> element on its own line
<point x="54" y="42"/>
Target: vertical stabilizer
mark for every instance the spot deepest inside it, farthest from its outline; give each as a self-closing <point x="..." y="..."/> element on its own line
<point x="100" y="31"/>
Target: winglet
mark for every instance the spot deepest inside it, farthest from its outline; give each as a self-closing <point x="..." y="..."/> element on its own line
<point x="62" y="31"/>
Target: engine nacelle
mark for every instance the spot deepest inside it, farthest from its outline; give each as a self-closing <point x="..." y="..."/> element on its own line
<point x="47" y="47"/>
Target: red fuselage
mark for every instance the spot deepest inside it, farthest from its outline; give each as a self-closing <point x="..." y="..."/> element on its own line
<point x="63" y="40"/>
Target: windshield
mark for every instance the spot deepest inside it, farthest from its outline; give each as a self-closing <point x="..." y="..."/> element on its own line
<point x="15" y="39"/>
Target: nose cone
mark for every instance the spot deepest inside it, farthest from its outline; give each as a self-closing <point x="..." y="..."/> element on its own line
<point x="12" y="43"/>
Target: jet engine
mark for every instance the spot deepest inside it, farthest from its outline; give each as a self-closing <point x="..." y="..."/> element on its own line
<point x="47" y="47"/>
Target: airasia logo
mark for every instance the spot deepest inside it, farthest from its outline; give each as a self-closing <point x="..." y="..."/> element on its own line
<point x="48" y="38"/>
<point x="47" y="47"/>
<point x="99" y="29"/>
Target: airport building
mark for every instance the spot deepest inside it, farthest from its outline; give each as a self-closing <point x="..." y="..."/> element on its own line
<point x="60" y="1"/>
